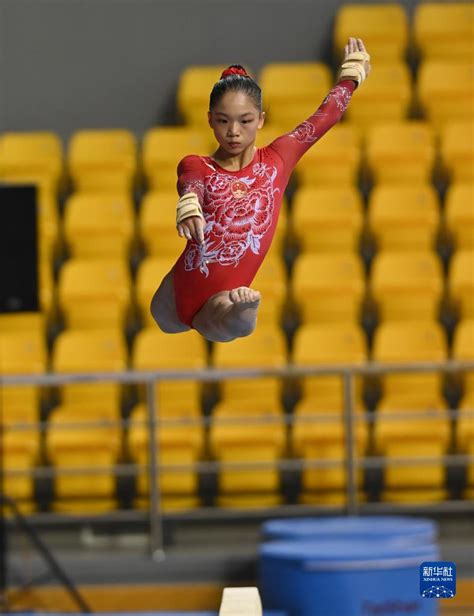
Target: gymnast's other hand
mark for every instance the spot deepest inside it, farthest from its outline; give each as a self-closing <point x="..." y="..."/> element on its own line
<point x="192" y="228"/>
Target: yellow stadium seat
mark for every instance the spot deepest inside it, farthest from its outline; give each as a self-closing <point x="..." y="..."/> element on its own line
<point x="412" y="435"/>
<point x="94" y="293"/>
<point x="271" y="281"/>
<point x="423" y="482"/>
<point x="90" y="351"/>
<point x="389" y="429"/>
<point x="463" y="350"/>
<point x="404" y="217"/>
<point x="457" y="151"/>
<point x="328" y="287"/>
<point x="383" y="27"/>
<point x="99" y="225"/>
<point x="243" y="434"/>
<point x="176" y="444"/>
<point x="444" y="30"/>
<point x="325" y="481"/>
<point x="386" y="96"/>
<point x="326" y="345"/>
<point x="103" y="160"/>
<point x="20" y="452"/>
<point x="407" y="285"/>
<point x="154" y="350"/>
<point x="32" y="155"/>
<point x="398" y="342"/>
<point x="266" y="347"/>
<point x="451" y="96"/>
<point x="21" y="352"/>
<point x="165" y="146"/>
<point x="401" y="152"/>
<point x="459" y="214"/>
<point x="157" y="224"/>
<point x="293" y="91"/>
<point x="86" y="447"/>
<point x="327" y="219"/>
<point x="194" y="87"/>
<point x="461" y="282"/>
<point x="318" y="431"/>
<point x="24" y="322"/>
<point x="334" y="160"/>
<point x="151" y="272"/>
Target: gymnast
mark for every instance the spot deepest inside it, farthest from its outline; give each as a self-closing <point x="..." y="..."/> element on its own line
<point x="229" y="203"/>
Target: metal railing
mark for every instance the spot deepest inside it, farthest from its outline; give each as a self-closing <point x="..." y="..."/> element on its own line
<point x="352" y="462"/>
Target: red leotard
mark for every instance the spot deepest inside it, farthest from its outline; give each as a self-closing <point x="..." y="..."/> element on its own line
<point x="241" y="208"/>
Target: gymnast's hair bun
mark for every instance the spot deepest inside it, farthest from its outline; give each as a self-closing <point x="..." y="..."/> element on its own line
<point x="235" y="69"/>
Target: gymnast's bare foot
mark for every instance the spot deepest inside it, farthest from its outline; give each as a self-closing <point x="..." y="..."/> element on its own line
<point x="228" y="315"/>
<point x="245" y="297"/>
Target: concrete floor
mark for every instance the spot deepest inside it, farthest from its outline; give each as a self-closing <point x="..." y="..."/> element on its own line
<point x="193" y="552"/>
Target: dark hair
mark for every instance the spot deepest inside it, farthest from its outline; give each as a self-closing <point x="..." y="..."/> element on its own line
<point x="236" y="79"/>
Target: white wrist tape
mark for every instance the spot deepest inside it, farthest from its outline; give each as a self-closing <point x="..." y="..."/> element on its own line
<point x="188" y="206"/>
<point x="353" y="67"/>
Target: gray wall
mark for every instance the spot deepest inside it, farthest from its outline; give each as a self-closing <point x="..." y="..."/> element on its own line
<point x="69" y="64"/>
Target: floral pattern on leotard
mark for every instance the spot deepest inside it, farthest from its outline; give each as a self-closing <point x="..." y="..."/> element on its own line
<point x="237" y="216"/>
<point x="341" y="96"/>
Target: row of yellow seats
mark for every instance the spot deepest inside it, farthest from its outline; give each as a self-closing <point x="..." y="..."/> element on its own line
<point x="72" y="446"/>
<point x="237" y="443"/>
<point x="390" y="152"/>
<point x="404" y="285"/>
<point x="322" y="219"/>
<point x="91" y="491"/>
<point x="327" y="287"/>
<point x="387" y="95"/>
<point x="106" y="165"/>
<point x="336" y="158"/>
<point x="437" y="30"/>
<point x="399" y="217"/>
<point x="105" y="351"/>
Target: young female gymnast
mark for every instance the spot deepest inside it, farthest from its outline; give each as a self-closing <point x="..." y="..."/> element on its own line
<point x="229" y="203"/>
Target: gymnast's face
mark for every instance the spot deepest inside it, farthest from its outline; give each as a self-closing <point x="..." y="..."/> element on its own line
<point x="235" y="120"/>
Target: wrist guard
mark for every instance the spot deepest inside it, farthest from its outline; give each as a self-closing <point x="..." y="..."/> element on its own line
<point x="188" y="206"/>
<point x="353" y="67"/>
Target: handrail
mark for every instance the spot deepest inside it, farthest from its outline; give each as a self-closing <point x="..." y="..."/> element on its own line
<point x="320" y="416"/>
<point x="214" y="374"/>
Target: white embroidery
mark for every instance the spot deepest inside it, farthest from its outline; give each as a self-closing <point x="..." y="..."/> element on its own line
<point x="196" y="186"/>
<point x="341" y="96"/>
<point x="237" y="223"/>
<point x="306" y="131"/>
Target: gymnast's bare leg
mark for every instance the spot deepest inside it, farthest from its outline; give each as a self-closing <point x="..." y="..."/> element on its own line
<point x="224" y="317"/>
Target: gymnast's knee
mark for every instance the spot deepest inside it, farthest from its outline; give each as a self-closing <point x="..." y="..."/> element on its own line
<point x="164" y="317"/>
